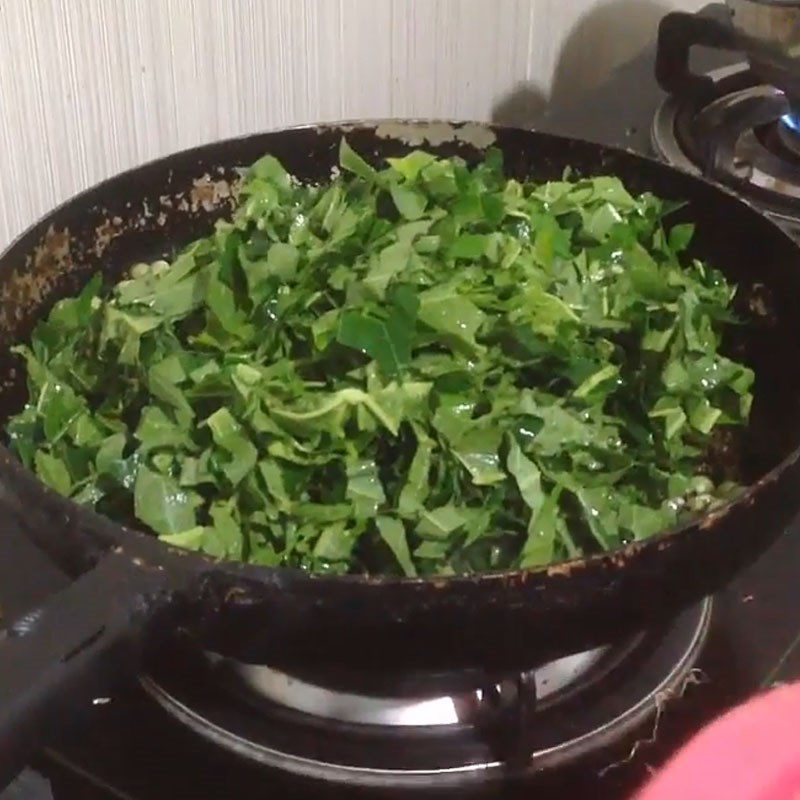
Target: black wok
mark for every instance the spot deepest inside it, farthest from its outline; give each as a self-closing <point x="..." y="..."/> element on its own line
<point x="130" y="587"/>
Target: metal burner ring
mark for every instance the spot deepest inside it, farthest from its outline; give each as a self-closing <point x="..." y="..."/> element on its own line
<point x="661" y="674"/>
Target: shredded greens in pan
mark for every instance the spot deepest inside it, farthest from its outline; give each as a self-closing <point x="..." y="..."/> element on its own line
<point x="423" y="369"/>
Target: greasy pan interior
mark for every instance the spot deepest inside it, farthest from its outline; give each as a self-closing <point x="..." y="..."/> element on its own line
<point x="153" y="210"/>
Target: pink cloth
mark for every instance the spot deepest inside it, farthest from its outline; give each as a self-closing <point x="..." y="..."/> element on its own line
<point x="751" y="753"/>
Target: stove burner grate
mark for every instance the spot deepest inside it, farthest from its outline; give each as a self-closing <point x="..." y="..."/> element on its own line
<point x="371" y="744"/>
<point x="744" y="136"/>
<point x="433" y="703"/>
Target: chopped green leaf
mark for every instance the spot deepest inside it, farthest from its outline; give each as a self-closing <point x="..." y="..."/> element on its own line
<point x="393" y="533"/>
<point x="409" y="202"/>
<point x="444" y="310"/>
<point x="162" y="505"/>
<point x="364" y="489"/>
<point x="53" y="471"/>
<point x="352" y="161"/>
<point x="418" y="368"/>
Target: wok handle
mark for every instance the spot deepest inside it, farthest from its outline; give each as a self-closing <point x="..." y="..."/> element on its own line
<point x="82" y="642"/>
<point x="678" y="32"/>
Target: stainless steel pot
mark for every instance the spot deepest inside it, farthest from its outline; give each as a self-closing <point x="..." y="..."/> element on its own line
<point x="769" y="32"/>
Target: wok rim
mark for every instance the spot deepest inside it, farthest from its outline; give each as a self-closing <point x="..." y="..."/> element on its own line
<point x="123" y="535"/>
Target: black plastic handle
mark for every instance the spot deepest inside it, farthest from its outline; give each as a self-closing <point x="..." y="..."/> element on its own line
<point x="678" y="32"/>
<point x="81" y="643"/>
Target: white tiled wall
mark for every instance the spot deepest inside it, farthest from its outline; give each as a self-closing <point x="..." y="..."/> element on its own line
<point x="88" y="87"/>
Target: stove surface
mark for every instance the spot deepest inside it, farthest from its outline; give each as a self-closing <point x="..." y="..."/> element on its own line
<point x="130" y="747"/>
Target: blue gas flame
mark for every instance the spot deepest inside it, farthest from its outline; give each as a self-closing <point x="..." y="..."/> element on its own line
<point x="792" y="122"/>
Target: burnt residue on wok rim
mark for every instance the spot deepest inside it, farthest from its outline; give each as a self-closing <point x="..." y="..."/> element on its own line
<point x="491" y="619"/>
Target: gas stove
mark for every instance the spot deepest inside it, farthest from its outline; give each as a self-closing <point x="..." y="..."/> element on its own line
<point x="593" y="724"/>
<point x="728" y="126"/>
<point x="444" y="731"/>
<point x="743" y="134"/>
